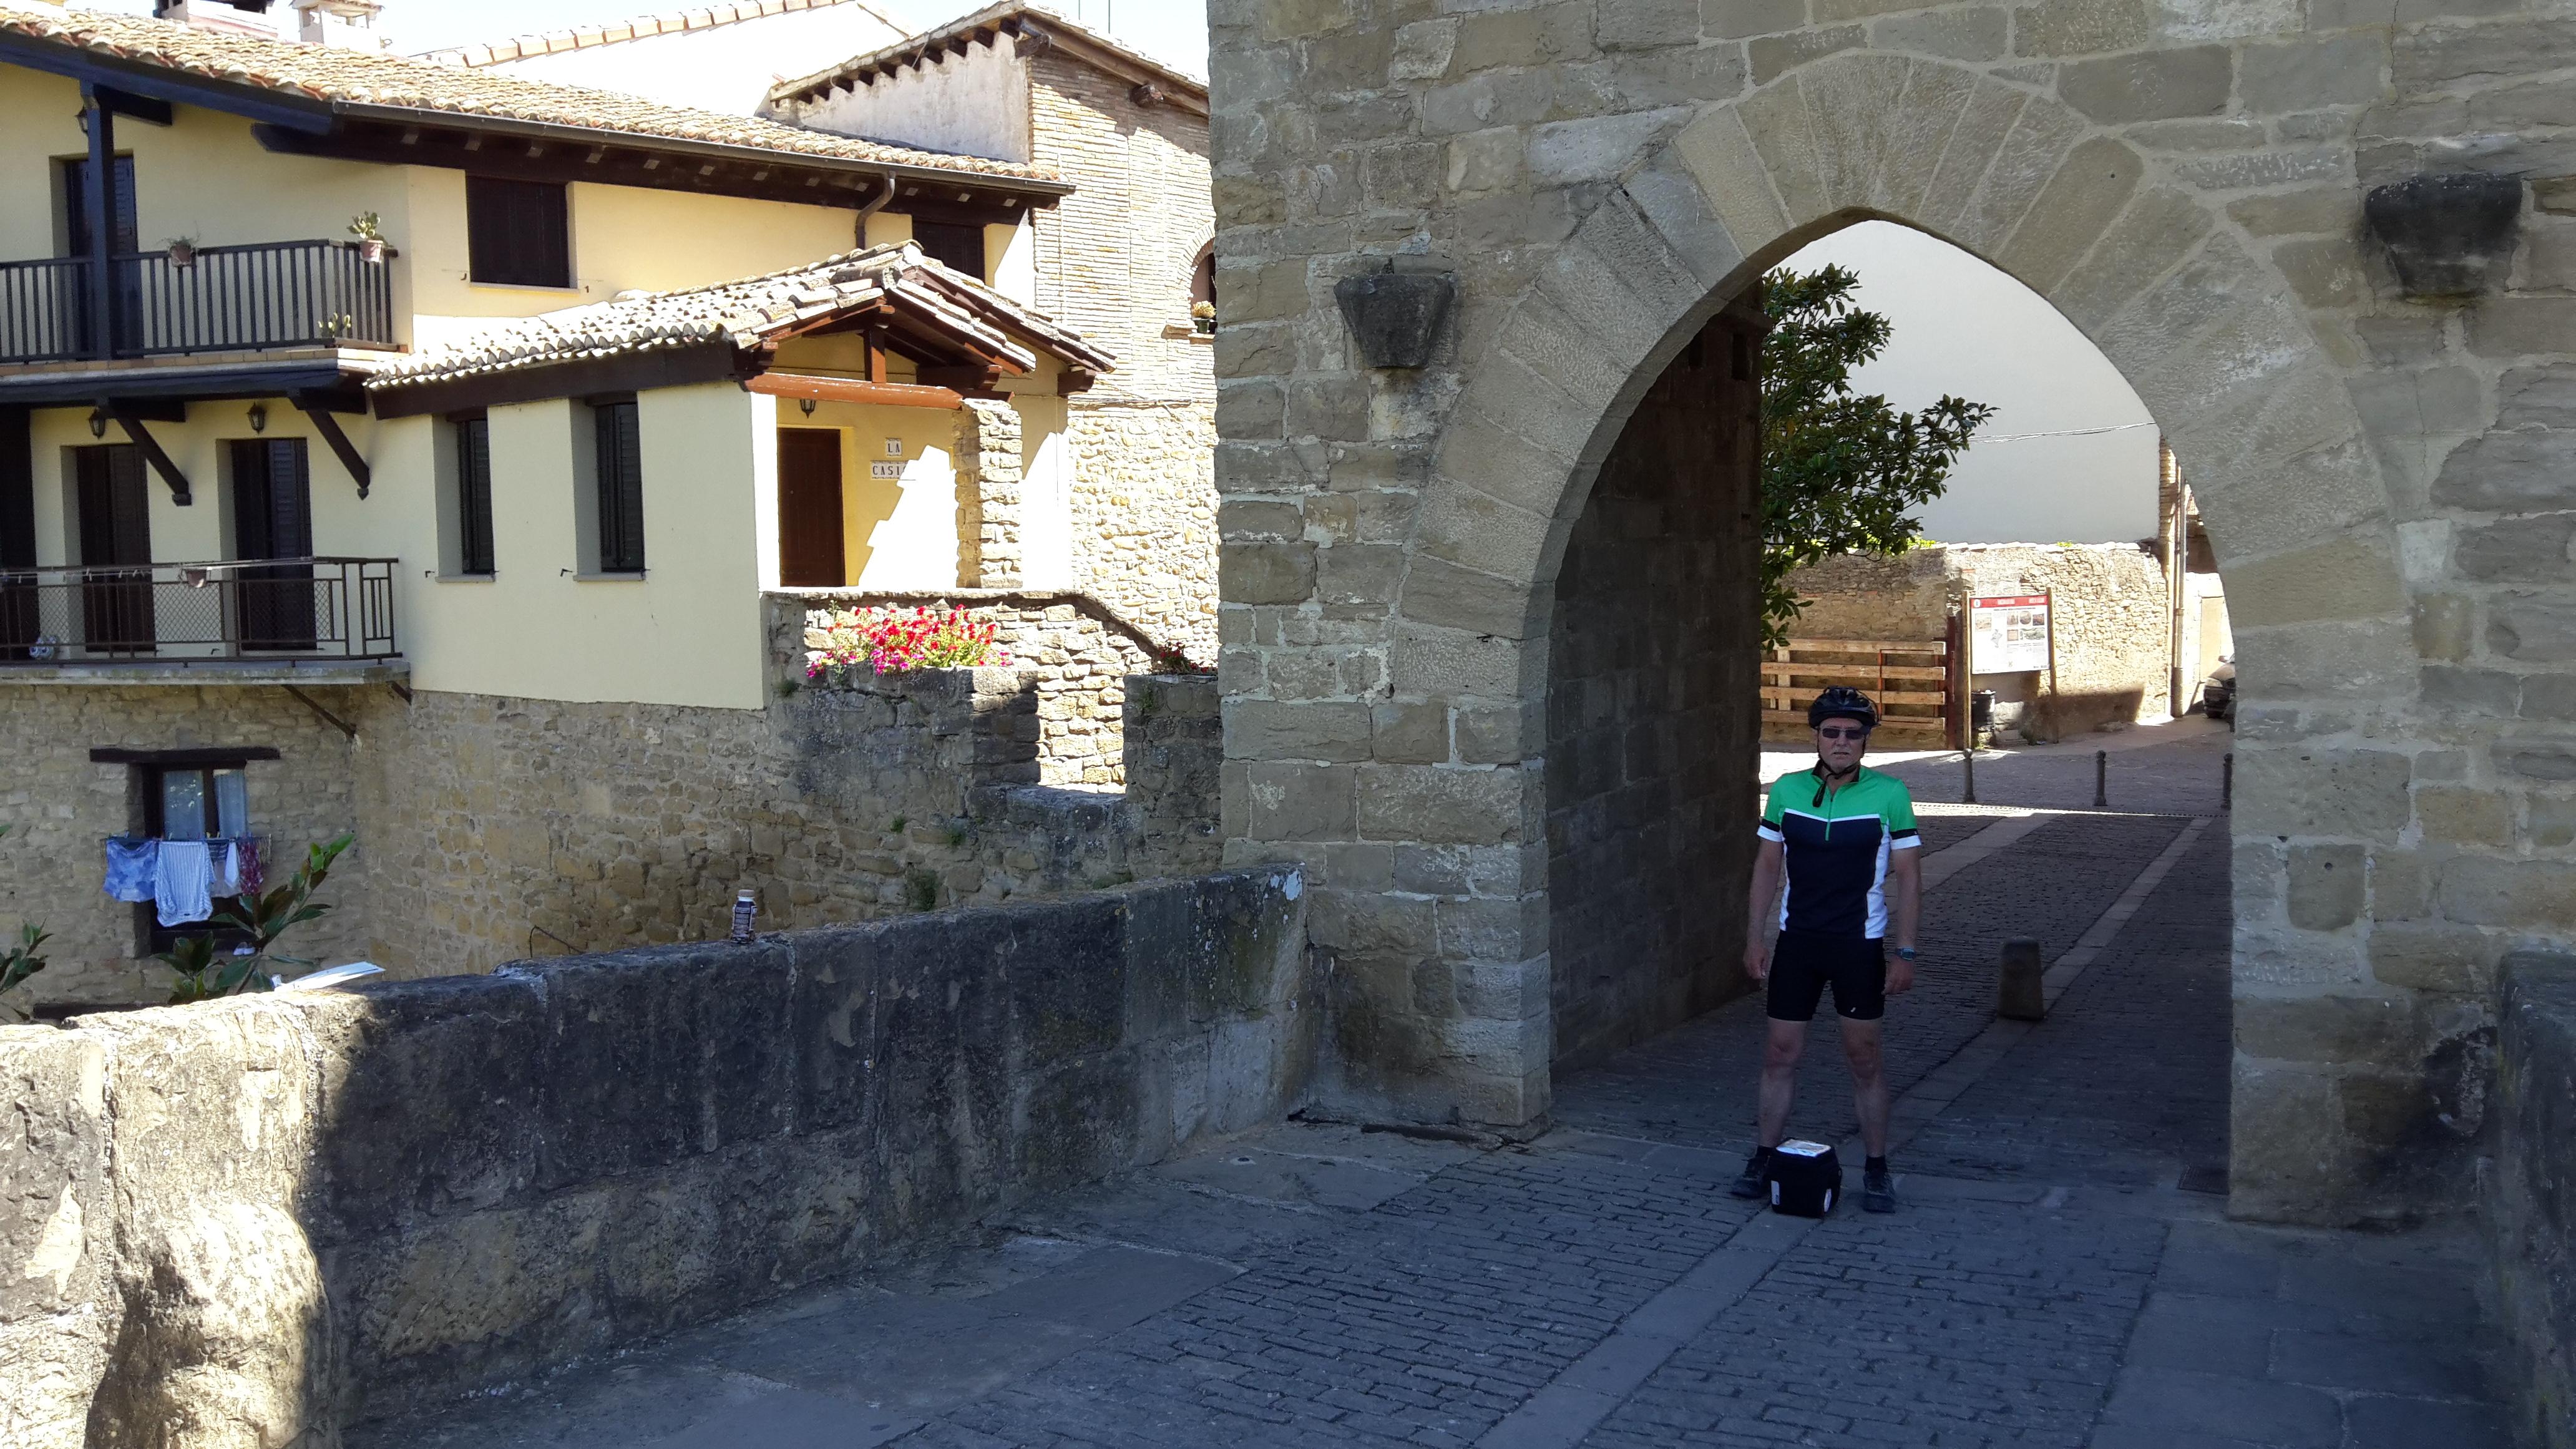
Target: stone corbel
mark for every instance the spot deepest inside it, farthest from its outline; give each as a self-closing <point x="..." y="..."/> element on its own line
<point x="1396" y="316"/>
<point x="2447" y="236"/>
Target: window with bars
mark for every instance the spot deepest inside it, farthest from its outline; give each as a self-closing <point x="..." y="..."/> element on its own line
<point x="617" y="482"/>
<point x="470" y="437"/>
<point x="518" y="233"/>
<point x="956" y="246"/>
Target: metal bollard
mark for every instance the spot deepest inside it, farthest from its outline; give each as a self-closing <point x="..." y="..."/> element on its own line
<point x="2101" y="772"/>
<point x="1968" y="763"/>
<point x="2227" y="781"/>
<point x="2018" y="993"/>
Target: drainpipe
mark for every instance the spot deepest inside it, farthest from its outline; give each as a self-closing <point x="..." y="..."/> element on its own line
<point x="2177" y="562"/>
<point x="876" y="203"/>
<point x="100" y="202"/>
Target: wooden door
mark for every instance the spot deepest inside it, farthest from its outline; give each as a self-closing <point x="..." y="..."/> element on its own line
<point x="115" y="529"/>
<point x="273" y="519"/>
<point x="809" y="508"/>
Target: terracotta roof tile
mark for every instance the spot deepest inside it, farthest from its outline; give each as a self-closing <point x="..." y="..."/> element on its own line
<point x="333" y="73"/>
<point x="554" y="42"/>
<point x="754" y="311"/>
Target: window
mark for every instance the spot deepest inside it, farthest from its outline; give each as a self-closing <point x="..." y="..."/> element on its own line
<point x="954" y="246"/>
<point x="617" y="486"/>
<point x="189" y="803"/>
<point x="518" y="233"/>
<point x="470" y="436"/>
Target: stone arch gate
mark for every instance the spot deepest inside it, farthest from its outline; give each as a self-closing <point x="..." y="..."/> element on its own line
<point x="1393" y="541"/>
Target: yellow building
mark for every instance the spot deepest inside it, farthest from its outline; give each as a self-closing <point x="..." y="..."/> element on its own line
<point x="355" y="408"/>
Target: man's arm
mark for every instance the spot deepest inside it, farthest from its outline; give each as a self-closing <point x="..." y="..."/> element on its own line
<point x="1766" y="895"/>
<point x="1904" y="909"/>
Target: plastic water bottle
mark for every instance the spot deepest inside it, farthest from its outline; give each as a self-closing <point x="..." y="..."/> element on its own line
<point x="745" y="906"/>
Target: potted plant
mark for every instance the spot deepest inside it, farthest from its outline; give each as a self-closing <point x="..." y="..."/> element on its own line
<point x="1203" y="317"/>
<point x="368" y="228"/>
<point x="183" y="250"/>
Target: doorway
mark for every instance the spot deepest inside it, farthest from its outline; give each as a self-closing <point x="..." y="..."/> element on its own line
<point x="273" y="519"/>
<point x="116" y="540"/>
<point x="809" y="509"/>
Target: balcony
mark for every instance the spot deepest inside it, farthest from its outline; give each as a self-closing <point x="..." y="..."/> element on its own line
<point x="225" y="299"/>
<point x="291" y="620"/>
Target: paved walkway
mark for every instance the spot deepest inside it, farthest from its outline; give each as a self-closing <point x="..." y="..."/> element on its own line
<point x="2061" y="1272"/>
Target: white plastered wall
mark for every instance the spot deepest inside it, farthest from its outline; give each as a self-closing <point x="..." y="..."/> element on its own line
<point x="974" y="102"/>
<point x="726" y="68"/>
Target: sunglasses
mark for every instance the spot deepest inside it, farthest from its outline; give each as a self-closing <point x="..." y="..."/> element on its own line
<point x="1854" y="733"/>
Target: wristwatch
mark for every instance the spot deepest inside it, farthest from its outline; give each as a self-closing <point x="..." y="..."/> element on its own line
<point x="1905" y="953"/>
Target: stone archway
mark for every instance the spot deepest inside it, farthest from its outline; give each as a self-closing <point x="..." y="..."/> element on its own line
<point x="1388" y="676"/>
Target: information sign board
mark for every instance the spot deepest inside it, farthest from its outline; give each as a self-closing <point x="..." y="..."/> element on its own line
<point x="2008" y="634"/>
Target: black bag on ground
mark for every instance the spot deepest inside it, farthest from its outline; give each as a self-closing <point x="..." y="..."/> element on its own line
<point x="1805" y="1179"/>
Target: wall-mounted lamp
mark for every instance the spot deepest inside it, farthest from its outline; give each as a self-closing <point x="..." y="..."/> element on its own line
<point x="259" y="417"/>
<point x="805" y="405"/>
<point x="97" y="424"/>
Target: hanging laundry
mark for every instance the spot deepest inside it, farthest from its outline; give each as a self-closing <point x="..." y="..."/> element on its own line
<point x="246" y="867"/>
<point x="180" y="885"/>
<point x="224" y="860"/>
<point x="133" y="867"/>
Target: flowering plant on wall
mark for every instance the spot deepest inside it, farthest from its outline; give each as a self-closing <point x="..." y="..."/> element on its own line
<point x="896" y="641"/>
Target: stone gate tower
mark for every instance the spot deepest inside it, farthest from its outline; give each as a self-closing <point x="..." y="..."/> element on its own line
<point x="2330" y="242"/>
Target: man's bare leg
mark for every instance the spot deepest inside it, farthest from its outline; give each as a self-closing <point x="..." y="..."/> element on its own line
<point x="1780" y="1053"/>
<point x="1869" y="1083"/>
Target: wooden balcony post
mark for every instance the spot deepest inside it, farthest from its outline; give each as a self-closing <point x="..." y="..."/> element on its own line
<point x="100" y="202"/>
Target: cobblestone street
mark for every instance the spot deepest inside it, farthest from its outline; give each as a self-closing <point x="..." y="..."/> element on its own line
<point x="2060" y="1272"/>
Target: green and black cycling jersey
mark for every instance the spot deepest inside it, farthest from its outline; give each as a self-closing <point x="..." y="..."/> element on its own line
<point x="1836" y="845"/>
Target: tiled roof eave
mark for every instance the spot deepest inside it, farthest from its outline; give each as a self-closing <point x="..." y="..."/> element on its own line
<point x="688" y="146"/>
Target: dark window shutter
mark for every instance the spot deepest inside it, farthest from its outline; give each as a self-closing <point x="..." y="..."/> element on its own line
<point x="474" y="495"/>
<point x="518" y="233"/>
<point x="272" y="499"/>
<point x="621" y="489"/>
<point x="958" y="248"/>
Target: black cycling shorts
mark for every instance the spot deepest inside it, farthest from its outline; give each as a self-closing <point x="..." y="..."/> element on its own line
<point x="1803" y="962"/>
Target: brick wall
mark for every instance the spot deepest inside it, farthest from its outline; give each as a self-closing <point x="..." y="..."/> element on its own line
<point x="1114" y="258"/>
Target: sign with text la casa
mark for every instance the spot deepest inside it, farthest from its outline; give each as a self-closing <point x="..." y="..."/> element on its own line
<point x="2008" y="634"/>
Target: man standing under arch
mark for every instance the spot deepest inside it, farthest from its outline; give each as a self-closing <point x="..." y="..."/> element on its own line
<point x="1843" y="839"/>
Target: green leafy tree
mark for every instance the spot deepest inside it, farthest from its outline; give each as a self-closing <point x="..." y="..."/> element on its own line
<point x="1840" y="470"/>
<point x="261" y="919"/>
<point x="19" y="962"/>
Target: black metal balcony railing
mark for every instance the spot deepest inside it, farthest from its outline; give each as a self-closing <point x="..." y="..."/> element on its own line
<point x="235" y="298"/>
<point x="272" y="609"/>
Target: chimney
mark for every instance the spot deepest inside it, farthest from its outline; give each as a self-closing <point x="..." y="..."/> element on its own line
<point x="226" y="17"/>
<point x="350" y="24"/>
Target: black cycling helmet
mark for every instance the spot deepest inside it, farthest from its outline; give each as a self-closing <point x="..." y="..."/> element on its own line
<point x="1843" y="702"/>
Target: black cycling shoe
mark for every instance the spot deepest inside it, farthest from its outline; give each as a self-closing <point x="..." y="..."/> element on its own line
<point x="1878" y="1192"/>
<point x="1751" y="1183"/>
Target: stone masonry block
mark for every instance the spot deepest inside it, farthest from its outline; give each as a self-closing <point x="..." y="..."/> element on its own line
<point x="2322" y="792"/>
<point x="2485" y="891"/>
<point x="1479" y="531"/>
<point x="2510" y="472"/>
<point x="2533" y="628"/>
<point x="1772" y="56"/>
<point x="2151" y="85"/>
<point x="2072" y="212"/>
<point x="2329" y="1030"/>
<point x="2340" y="70"/>
<point x="2081" y="27"/>
<point x="1442" y="593"/>
<point x="1669" y="197"/>
<point x="2285" y="1141"/>
<point x="1718" y="153"/>
<point x="2435" y="957"/>
<point x="2347" y="578"/>
<point x="1978" y="33"/>
<point x="1410" y="734"/>
<point x="2464" y="815"/>
<point x="1440" y="806"/>
<point x="1266" y="573"/>
<point x="1321" y="730"/>
<point x="57" y="1236"/>
<point x="1299" y="801"/>
<point x="1999" y="173"/>
<point x="2326" y="886"/>
<point x="1736" y="19"/>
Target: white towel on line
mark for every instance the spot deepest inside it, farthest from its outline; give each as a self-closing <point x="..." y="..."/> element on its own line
<point x="180" y="887"/>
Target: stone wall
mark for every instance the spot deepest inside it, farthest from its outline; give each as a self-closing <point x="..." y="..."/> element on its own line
<point x="1144" y="515"/>
<point x="492" y="828"/>
<point x="61" y="807"/>
<point x="1651" y="707"/>
<point x="2109" y="608"/>
<point x="2384" y="477"/>
<point x="2531" y="1202"/>
<point x="246" y="1217"/>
